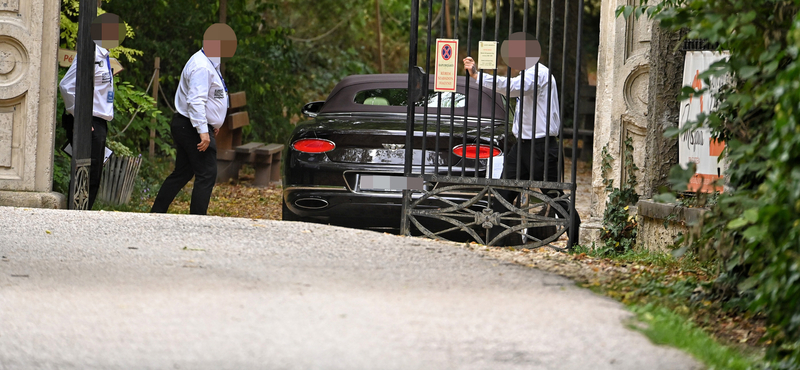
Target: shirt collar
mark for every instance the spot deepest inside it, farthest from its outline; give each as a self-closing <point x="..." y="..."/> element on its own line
<point x="214" y="63"/>
<point x="103" y="52"/>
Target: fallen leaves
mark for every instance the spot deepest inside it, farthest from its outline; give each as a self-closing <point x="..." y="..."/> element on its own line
<point x="234" y="200"/>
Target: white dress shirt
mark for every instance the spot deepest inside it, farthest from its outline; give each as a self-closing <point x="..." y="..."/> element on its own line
<point x="528" y="101"/>
<point x="103" y="99"/>
<point x="202" y="95"/>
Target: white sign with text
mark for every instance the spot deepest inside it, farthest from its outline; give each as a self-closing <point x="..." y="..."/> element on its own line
<point x="487" y="55"/>
<point x="696" y="146"/>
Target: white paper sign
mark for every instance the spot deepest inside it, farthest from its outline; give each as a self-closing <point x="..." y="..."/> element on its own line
<point x="446" y="65"/>
<point x="497" y="167"/>
<point x="68" y="149"/>
<point x="487" y="55"/>
<point x="696" y="146"/>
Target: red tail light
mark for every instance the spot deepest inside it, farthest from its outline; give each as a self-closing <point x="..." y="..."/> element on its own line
<point x="313" y="145"/>
<point x="471" y="150"/>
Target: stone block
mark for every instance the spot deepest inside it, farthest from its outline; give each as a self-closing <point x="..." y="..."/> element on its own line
<point x="661" y="223"/>
<point x="51" y="200"/>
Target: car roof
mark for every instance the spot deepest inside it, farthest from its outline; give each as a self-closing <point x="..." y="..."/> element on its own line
<point x="342" y="97"/>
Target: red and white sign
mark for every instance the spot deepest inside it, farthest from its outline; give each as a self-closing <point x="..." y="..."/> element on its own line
<point x="696" y="146"/>
<point x="65" y="57"/>
<point x="446" y="65"/>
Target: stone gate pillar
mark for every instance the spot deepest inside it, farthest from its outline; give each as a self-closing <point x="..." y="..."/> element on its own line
<point x="29" y="32"/>
<point x="623" y="81"/>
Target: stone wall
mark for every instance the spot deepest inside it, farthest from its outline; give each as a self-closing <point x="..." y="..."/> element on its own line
<point x="639" y="78"/>
<point x="661" y="223"/>
<point x="663" y="109"/>
<point x="29" y="31"/>
<point x="623" y="84"/>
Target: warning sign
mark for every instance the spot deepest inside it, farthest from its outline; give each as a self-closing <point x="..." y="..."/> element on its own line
<point x="446" y="65"/>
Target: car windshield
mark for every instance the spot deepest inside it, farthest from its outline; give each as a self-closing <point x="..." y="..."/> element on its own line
<point x="399" y="98"/>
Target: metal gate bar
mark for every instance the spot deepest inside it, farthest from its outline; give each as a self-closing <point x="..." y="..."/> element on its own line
<point x="456" y="213"/>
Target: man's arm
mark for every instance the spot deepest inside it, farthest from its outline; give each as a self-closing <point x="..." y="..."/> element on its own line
<point x="472" y="70"/>
<point x="196" y="99"/>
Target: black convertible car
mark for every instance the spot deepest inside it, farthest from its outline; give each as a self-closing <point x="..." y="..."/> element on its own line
<point x="356" y="139"/>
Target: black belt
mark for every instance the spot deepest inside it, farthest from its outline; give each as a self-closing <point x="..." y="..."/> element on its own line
<point x="539" y="140"/>
<point x="177" y="115"/>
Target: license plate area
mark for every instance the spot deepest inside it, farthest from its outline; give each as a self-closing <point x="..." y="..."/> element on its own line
<point x="387" y="183"/>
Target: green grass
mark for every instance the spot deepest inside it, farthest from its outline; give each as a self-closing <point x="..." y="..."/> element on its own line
<point x="673" y="297"/>
<point x="667" y="328"/>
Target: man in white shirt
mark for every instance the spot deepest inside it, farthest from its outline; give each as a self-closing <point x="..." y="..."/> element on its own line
<point x="532" y="133"/>
<point x="533" y="84"/>
<point x="544" y="91"/>
<point x="201" y="102"/>
<point x="107" y="32"/>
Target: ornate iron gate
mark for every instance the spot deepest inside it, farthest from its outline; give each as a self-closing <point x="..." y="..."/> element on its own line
<point x="463" y="196"/>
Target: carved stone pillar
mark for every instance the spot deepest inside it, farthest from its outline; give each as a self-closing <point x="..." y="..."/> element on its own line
<point x="663" y="110"/>
<point x="623" y="82"/>
<point x="28" y="77"/>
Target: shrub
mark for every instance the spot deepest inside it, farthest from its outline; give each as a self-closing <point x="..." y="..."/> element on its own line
<point x="619" y="226"/>
<point x="754" y="229"/>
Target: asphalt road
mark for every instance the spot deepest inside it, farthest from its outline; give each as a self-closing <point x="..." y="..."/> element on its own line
<point x="106" y="290"/>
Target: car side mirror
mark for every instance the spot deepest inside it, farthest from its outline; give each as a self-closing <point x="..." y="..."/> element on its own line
<point x="312" y="109"/>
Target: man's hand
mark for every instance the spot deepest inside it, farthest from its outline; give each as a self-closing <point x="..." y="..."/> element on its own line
<point x="205" y="141"/>
<point x="216" y="131"/>
<point x="469" y="66"/>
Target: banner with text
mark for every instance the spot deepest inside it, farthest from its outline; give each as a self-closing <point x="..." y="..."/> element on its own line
<point x="696" y="146"/>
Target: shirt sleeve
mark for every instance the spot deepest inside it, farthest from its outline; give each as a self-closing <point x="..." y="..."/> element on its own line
<point x="502" y="82"/>
<point x="542" y="80"/>
<point x="67" y="87"/>
<point x="196" y="98"/>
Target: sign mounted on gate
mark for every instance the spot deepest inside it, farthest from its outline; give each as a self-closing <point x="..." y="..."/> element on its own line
<point x="487" y="55"/>
<point x="446" y="65"/>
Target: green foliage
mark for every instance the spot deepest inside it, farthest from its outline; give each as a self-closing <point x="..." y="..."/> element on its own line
<point x="134" y="113"/>
<point x="337" y="38"/>
<point x="753" y="229"/>
<point x="69" y="31"/>
<point x="619" y="226"/>
<point x="129" y="101"/>
<point x="119" y="149"/>
<point x="265" y="66"/>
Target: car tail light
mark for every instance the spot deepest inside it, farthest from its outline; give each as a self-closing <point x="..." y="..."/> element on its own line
<point x="313" y="145"/>
<point x="471" y="150"/>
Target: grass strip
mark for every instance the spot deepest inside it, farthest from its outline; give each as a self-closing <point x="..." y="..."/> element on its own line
<point x="665" y="327"/>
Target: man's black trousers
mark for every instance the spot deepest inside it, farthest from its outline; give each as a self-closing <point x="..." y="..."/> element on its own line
<point x="99" y="133"/>
<point x="189" y="162"/>
<point x="537" y="167"/>
<point x="526" y="168"/>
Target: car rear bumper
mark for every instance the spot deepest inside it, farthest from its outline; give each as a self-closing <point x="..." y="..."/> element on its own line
<point x="343" y="207"/>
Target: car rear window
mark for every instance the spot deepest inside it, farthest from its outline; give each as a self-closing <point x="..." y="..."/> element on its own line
<point x="399" y="98"/>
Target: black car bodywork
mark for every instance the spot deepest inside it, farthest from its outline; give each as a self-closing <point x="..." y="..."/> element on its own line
<point x="365" y="118"/>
